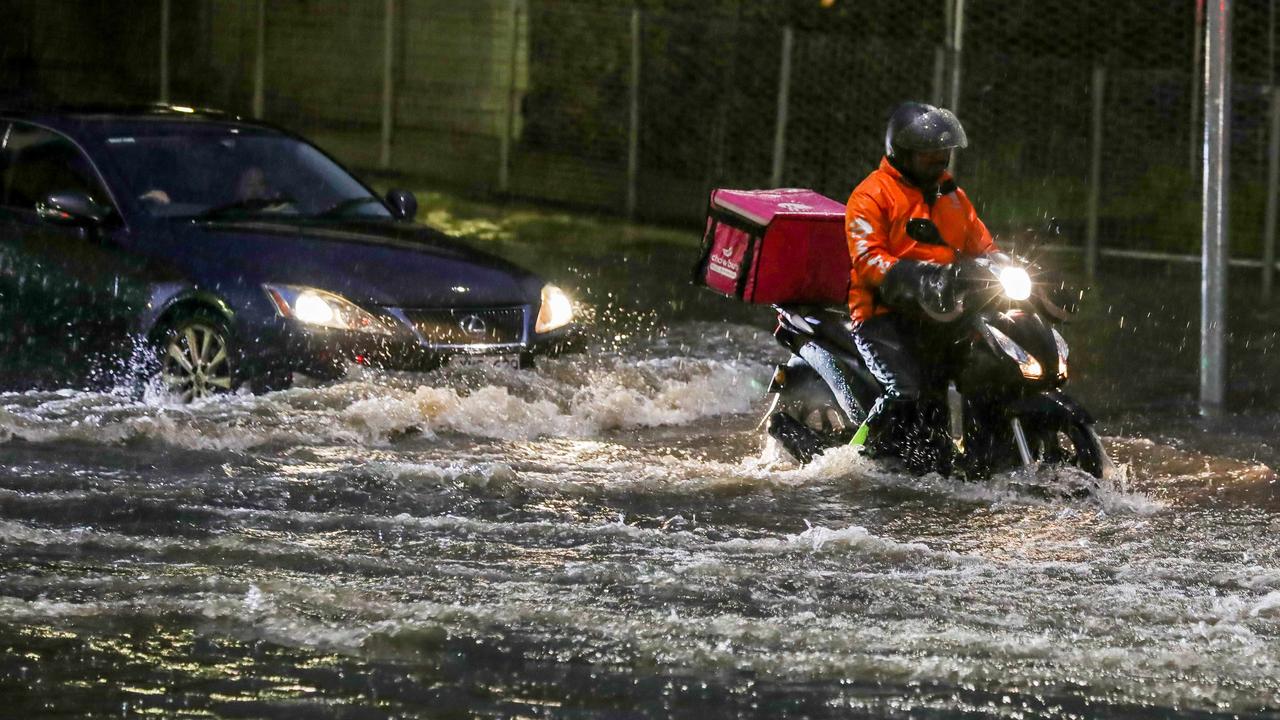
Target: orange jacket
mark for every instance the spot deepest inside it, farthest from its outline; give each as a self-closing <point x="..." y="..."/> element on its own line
<point x="875" y="223"/>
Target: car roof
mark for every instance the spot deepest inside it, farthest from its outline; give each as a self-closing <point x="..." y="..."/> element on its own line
<point x="95" y="119"/>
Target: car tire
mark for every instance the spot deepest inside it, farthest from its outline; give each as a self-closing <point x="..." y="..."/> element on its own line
<point x="197" y="356"/>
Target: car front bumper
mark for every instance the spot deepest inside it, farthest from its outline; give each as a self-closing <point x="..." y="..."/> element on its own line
<point x="326" y="353"/>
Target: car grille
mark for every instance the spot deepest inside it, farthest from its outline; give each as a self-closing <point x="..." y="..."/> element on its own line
<point x="468" y="326"/>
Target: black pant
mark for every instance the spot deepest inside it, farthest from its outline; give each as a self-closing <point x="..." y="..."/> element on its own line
<point x="910" y="358"/>
<point x="891" y="346"/>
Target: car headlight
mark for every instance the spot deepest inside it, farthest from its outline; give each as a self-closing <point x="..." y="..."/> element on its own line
<point x="1016" y="282"/>
<point x="1029" y="366"/>
<point x="1063" y="350"/>
<point x="319" y="308"/>
<point x="556" y="310"/>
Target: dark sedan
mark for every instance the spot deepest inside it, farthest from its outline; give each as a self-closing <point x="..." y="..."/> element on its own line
<point x="218" y="252"/>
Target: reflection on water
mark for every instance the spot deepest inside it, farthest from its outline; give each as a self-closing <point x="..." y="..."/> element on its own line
<point x="606" y="533"/>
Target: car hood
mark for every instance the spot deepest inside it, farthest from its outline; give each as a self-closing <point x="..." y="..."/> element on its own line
<point x="380" y="263"/>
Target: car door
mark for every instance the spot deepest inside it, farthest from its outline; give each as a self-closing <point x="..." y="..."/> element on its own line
<point x="68" y="292"/>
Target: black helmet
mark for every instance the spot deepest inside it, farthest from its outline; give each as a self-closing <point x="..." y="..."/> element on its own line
<point x="919" y="127"/>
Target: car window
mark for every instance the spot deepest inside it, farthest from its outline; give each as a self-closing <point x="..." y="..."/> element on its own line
<point x="185" y="171"/>
<point x="35" y="162"/>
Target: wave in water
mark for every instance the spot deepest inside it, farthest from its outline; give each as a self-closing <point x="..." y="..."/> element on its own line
<point x="563" y="398"/>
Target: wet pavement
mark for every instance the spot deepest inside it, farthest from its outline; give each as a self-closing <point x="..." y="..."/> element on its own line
<point x="606" y="534"/>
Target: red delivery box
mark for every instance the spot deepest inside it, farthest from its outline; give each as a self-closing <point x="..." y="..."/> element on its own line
<point x="775" y="247"/>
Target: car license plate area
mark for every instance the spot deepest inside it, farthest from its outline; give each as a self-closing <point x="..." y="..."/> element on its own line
<point x="463" y="327"/>
<point x="498" y="362"/>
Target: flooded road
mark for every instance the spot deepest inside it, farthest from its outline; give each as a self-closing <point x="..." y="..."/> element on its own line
<point x="605" y="534"/>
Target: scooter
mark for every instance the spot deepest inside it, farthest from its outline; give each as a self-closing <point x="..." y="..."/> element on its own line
<point x="995" y="404"/>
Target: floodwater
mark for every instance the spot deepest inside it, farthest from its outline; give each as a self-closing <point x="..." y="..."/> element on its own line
<point x="605" y="535"/>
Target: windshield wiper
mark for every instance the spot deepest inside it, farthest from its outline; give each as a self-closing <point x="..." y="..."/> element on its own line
<point x="343" y="206"/>
<point x="254" y="204"/>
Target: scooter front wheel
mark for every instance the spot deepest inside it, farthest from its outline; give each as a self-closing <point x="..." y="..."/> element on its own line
<point x="1069" y="441"/>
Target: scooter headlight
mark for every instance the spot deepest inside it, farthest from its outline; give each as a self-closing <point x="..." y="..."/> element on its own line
<point x="1028" y="365"/>
<point x="1063" y="350"/>
<point x="1016" y="282"/>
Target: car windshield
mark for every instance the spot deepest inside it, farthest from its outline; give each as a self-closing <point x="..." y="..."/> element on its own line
<point x="229" y="172"/>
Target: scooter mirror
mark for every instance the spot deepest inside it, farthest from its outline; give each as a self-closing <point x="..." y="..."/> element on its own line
<point x="1060" y="300"/>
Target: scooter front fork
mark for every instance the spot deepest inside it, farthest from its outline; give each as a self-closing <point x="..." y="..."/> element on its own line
<point x="1020" y="439"/>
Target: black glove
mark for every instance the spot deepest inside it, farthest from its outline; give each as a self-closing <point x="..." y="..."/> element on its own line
<point x="912" y="284"/>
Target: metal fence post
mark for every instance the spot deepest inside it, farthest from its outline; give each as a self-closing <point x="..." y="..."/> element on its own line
<point x="1273" y="198"/>
<point x="948" y="25"/>
<point x="508" y="121"/>
<point x="957" y="46"/>
<point x="939" y="74"/>
<point x="1197" y="83"/>
<point x="1095" y="175"/>
<point x="1213" y="286"/>
<point x="633" y="140"/>
<point x="784" y="90"/>
<point x="164" y="51"/>
<point x="384" y="154"/>
<point x="260" y="61"/>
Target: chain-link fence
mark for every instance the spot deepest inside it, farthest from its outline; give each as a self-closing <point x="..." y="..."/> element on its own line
<point x="1080" y="115"/>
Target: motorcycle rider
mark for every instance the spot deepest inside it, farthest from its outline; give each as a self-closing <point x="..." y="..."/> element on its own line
<point x="905" y="224"/>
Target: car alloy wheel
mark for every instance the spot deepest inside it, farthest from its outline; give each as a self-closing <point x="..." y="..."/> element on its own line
<point x="196" y="360"/>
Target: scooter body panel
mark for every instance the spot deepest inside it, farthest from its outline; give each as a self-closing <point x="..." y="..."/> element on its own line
<point x="996" y="386"/>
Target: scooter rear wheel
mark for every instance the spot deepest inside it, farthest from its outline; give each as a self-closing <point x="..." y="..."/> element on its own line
<point x="805" y="428"/>
<point x="825" y="418"/>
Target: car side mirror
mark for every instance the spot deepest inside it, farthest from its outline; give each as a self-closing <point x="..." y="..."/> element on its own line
<point x="403" y="204"/>
<point x="71" y="207"/>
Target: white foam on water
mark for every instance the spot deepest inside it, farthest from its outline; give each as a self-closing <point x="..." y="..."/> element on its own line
<point x="622" y="470"/>
<point x="94" y="540"/>
<point x="1054" y="484"/>
<point x="477" y="477"/>
<point x="1267" y="606"/>
<point x="374" y="408"/>
<point x="836" y="463"/>
<point x="491" y="412"/>
<point x="625" y="473"/>
<point x="14" y="533"/>
<point x="916" y="613"/>
<point x="883" y="644"/>
<point x="850" y="540"/>
<point x="1039" y="592"/>
<point x="880" y="646"/>
<point x="816" y="537"/>
<point x="1039" y="485"/>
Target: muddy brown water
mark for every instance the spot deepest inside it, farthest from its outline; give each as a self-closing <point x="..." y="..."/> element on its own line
<point x="604" y="534"/>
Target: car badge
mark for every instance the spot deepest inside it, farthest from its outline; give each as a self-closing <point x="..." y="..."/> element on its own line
<point x="473" y="325"/>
